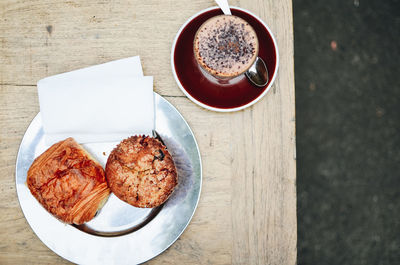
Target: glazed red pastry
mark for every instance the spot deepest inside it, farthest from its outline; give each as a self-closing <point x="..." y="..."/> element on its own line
<point x="68" y="182"/>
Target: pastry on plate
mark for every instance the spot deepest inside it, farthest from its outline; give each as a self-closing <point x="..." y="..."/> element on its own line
<point x="68" y="182"/>
<point x="141" y="172"/>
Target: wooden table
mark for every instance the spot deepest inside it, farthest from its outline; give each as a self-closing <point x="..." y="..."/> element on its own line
<point x="247" y="209"/>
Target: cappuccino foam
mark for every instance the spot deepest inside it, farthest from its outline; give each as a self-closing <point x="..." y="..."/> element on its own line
<point x="226" y="46"/>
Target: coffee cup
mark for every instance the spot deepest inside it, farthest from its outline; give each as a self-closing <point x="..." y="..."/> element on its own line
<point x="225" y="47"/>
<point x="217" y="92"/>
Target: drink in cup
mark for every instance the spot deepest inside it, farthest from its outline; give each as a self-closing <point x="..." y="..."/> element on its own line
<point x="225" y="46"/>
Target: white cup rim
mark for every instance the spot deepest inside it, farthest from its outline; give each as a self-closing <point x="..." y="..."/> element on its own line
<point x="224" y="109"/>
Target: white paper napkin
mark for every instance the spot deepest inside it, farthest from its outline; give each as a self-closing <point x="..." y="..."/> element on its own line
<point x="102" y="103"/>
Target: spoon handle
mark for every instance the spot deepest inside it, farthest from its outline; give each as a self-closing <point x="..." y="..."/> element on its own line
<point x="223" y="4"/>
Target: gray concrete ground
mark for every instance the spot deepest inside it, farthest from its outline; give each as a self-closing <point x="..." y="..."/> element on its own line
<point x="347" y="71"/>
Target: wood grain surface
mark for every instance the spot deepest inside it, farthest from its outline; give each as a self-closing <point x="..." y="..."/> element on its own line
<point x="247" y="209"/>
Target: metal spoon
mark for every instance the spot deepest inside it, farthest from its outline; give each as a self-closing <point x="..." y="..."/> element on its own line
<point x="223" y="4"/>
<point x="258" y="72"/>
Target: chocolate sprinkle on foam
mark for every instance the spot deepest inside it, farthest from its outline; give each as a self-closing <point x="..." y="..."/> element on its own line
<point x="226" y="45"/>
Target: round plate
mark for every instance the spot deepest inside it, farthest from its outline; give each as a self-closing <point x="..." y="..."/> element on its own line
<point x="234" y="95"/>
<point x="120" y="233"/>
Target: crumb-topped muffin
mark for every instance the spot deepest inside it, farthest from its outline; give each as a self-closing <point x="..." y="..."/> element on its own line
<point x="68" y="182"/>
<point x="141" y="172"/>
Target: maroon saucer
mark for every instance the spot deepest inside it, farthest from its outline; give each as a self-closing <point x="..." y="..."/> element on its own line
<point x="206" y="92"/>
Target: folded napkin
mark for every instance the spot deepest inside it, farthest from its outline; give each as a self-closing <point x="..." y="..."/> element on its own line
<point x="102" y="103"/>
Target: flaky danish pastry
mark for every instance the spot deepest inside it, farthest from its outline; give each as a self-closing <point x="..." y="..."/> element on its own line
<point x="68" y="182"/>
